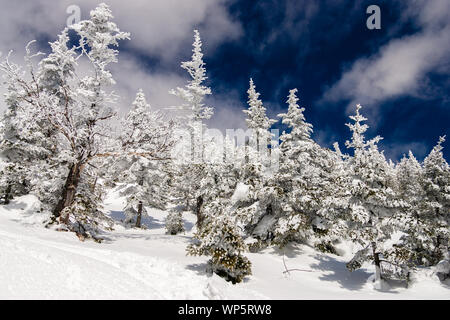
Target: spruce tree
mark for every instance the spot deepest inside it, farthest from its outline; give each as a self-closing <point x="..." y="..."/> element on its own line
<point x="143" y="177"/>
<point x="436" y="184"/>
<point x="373" y="201"/>
<point x="195" y="112"/>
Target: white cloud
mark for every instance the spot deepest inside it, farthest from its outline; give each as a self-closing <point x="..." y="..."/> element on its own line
<point x="227" y="111"/>
<point x="401" y="66"/>
<point x="158" y="27"/>
<point x="395" y="151"/>
<point x="161" y="28"/>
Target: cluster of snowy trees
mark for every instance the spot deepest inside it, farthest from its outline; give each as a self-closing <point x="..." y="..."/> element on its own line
<point x="60" y="141"/>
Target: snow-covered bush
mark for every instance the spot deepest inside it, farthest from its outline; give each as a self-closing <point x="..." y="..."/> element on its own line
<point x="174" y="222"/>
<point x="373" y="203"/>
<point x="220" y="239"/>
<point x="442" y="269"/>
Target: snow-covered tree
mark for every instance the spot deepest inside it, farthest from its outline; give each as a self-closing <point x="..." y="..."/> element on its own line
<point x="425" y="218"/>
<point x="411" y="221"/>
<point x="250" y="201"/>
<point x="143" y="178"/>
<point x="28" y="141"/>
<point x="373" y="201"/>
<point x="194" y="92"/>
<point x="75" y="107"/>
<point x="436" y="184"/>
<point x="174" y="221"/>
<point x="297" y="197"/>
<point x="296" y="147"/>
<point x="260" y="124"/>
<point x="300" y="132"/>
<point x="195" y="111"/>
<point x="220" y="239"/>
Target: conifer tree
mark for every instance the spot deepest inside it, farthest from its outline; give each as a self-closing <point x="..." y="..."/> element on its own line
<point x="307" y="183"/>
<point x="220" y="239"/>
<point x="436" y="184"/>
<point x="373" y="201"/>
<point x="75" y="108"/>
<point x="174" y="221"/>
<point x="193" y="95"/>
<point x="142" y="130"/>
<point x="259" y="123"/>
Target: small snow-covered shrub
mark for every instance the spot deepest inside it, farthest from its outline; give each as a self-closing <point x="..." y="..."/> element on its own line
<point x="326" y="247"/>
<point x="174" y="222"/>
<point x="219" y="238"/>
<point x="443" y="269"/>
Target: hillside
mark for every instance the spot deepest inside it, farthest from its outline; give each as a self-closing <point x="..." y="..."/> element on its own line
<point x="38" y="263"/>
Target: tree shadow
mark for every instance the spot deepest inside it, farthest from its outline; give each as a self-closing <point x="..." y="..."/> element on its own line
<point x="339" y="273"/>
<point x="290" y="250"/>
<point x="147" y="237"/>
<point x="198" y="268"/>
<point x="148" y="222"/>
<point x="188" y="225"/>
<point x="14" y="205"/>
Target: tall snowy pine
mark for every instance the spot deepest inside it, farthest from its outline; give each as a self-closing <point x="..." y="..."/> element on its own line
<point x="143" y="177"/>
<point x="188" y="172"/>
<point x="373" y="200"/>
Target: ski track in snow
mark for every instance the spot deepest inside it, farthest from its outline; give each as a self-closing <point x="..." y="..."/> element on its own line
<point x="45" y="264"/>
<point x="39" y="263"/>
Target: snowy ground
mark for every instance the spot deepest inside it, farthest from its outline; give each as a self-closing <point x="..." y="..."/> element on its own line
<point x="38" y="263"/>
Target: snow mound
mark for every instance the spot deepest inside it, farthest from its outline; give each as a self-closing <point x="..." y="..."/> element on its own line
<point x="40" y="263"/>
<point x="25" y="208"/>
<point x="241" y="193"/>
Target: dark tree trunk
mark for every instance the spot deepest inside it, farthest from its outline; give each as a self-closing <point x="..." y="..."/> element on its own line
<point x="198" y="211"/>
<point x="139" y="215"/>
<point x="69" y="191"/>
<point x="140" y="206"/>
<point x="247" y="142"/>
<point x="376" y="259"/>
<point x="188" y="205"/>
<point x="94" y="184"/>
<point x="7" y="194"/>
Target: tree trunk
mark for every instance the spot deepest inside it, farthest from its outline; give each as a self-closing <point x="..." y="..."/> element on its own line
<point x="376" y="259"/>
<point x="94" y="184"/>
<point x="7" y="194"/>
<point x="140" y="206"/>
<point x="69" y="191"/>
<point x="198" y="212"/>
<point x="247" y="142"/>
<point x="139" y="215"/>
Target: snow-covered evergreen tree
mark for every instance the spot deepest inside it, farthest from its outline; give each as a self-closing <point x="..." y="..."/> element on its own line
<point x="409" y="177"/>
<point x="436" y="184"/>
<point x="373" y="201"/>
<point x="220" y="239"/>
<point x="193" y="94"/>
<point x="174" y="221"/>
<point x="305" y="187"/>
<point x="296" y="148"/>
<point x="260" y="124"/>
<point x="142" y="130"/>
<point x="188" y="172"/>
<point x="76" y="109"/>
<point x="250" y="201"/>
<point x="425" y="218"/>
<point x="28" y="141"/>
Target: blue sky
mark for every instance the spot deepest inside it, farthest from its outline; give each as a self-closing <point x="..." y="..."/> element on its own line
<point x="399" y="73"/>
<point x="290" y="44"/>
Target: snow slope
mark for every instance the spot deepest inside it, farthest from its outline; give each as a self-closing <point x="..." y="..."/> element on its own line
<point x="38" y="263"/>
